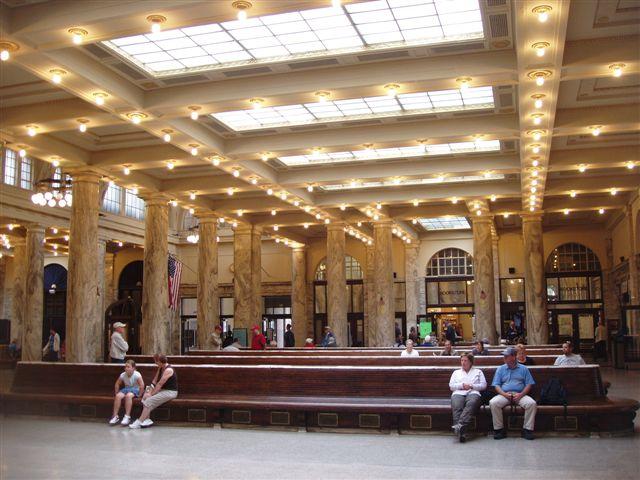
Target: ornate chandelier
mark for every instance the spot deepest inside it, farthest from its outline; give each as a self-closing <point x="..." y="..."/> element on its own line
<point x="54" y="192"/>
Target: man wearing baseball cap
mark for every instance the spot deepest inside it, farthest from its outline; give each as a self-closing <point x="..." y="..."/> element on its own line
<point x="512" y="382"/>
<point x="119" y="345"/>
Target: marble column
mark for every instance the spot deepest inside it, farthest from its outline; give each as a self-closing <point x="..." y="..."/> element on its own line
<point x="369" y="296"/>
<point x="411" y="284"/>
<point x="156" y="321"/>
<point x="110" y="291"/>
<point x="3" y="286"/>
<point x="483" y="289"/>
<point x="336" y="284"/>
<point x="534" y="281"/>
<point x="256" y="275"/>
<point x="16" y="283"/>
<point x="98" y="327"/>
<point x="84" y="322"/>
<point x="496" y="279"/>
<point x="634" y="280"/>
<point x="33" y="294"/>
<point x="246" y="277"/>
<point x="208" y="299"/>
<point x="384" y="331"/>
<point x="299" y="294"/>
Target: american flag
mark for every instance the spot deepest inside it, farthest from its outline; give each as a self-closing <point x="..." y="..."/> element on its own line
<point x="175" y="272"/>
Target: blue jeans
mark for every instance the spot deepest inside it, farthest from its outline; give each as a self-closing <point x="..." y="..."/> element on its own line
<point x="116" y="360"/>
<point x="134" y="390"/>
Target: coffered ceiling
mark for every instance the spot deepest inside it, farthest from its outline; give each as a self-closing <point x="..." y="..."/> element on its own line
<point x="328" y="113"/>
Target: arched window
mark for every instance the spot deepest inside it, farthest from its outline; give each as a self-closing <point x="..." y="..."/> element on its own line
<point x="572" y="257"/>
<point x="352" y="269"/>
<point x="450" y="262"/>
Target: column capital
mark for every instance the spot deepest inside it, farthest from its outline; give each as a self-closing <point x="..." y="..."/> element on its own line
<point x="411" y="246"/>
<point x="383" y="222"/>
<point x="299" y="248"/>
<point x="334" y="226"/>
<point x="484" y="218"/>
<point x="206" y="217"/>
<point x="35" y="227"/>
<point x="531" y="217"/>
<point x="155" y="199"/>
<point x="85" y="174"/>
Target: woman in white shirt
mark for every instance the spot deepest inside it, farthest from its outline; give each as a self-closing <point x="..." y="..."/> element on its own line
<point x="466" y="384"/>
<point x="409" y="351"/>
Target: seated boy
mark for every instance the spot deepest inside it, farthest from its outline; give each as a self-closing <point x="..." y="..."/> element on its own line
<point x="132" y="386"/>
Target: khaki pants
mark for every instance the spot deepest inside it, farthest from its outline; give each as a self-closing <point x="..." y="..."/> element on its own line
<point x="163" y="396"/>
<point x="529" y="405"/>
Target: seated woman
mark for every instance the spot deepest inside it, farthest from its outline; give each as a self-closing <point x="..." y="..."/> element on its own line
<point x="163" y="388"/>
<point x="128" y="385"/>
<point x="479" y="349"/>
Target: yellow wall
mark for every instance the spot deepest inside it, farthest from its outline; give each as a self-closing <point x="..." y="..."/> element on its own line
<point x="437" y="241"/>
<point x="620" y="241"/>
<point x="591" y="237"/>
<point x="123" y="258"/>
<point x="511" y="254"/>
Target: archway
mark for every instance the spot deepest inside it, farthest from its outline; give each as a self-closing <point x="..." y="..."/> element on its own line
<point x="449" y="293"/>
<point x="574" y="294"/>
<point x="54" y="312"/>
<point x="130" y="281"/>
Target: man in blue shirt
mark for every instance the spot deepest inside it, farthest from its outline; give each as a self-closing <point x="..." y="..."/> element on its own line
<point x="512" y="382"/>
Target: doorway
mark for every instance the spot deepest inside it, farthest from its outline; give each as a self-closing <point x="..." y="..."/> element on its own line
<point x="55" y="302"/>
<point x="576" y="325"/>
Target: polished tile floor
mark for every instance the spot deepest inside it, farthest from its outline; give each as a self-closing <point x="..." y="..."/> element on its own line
<point x="32" y="448"/>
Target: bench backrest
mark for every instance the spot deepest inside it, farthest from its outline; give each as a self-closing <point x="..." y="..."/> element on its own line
<point x="356" y="352"/>
<point x="426" y="359"/>
<point x="582" y="382"/>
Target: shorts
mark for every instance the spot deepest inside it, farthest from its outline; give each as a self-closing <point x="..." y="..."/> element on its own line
<point x="134" y="390"/>
<point x="163" y="396"/>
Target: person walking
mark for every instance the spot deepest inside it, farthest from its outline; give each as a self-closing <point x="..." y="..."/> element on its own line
<point x="51" y="350"/>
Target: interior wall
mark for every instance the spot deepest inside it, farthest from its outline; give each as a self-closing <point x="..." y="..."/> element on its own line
<point x="620" y="240"/>
<point x="511" y="254"/>
<point x="122" y="258"/>
<point x="433" y="243"/>
<point x="591" y="237"/>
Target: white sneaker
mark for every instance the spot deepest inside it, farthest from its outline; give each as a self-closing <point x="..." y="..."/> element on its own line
<point x="114" y="420"/>
<point x="146" y="423"/>
<point x="135" y="424"/>
<point x="126" y="421"/>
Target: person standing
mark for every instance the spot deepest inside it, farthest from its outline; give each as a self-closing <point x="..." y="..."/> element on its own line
<point x="258" y="342"/>
<point x="119" y="346"/>
<point x="466" y="384"/>
<point x="600" y="347"/>
<point x="289" y="337"/>
<point x="450" y="333"/>
<point x="216" y="338"/>
<point x="51" y="350"/>
<point x="512" y="382"/>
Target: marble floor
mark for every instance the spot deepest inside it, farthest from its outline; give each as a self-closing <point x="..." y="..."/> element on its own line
<point x="34" y="448"/>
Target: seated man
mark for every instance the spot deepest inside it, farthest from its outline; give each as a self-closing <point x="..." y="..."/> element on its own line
<point x="466" y="384"/>
<point x="427" y="341"/>
<point x="329" y="339"/>
<point x="479" y="349"/>
<point x="128" y="385"/>
<point x="512" y="382"/>
<point x="568" y="358"/>
<point x="163" y="388"/>
<point x="409" y="351"/>
<point x="448" y="350"/>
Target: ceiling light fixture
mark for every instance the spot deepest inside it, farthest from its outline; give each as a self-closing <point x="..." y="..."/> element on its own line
<point x="601" y="211"/>
<point x="535" y="163"/>
<point x="192" y="211"/>
<point x="537" y="118"/>
<point x="536" y="134"/>
<point x="82" y="124"/>
<point x="572" y="194"/>
<point x="343" y="207"/>
<point x="136" y="117"/>
<point x="566" y="211"/>
<point x="78" y="35"/>
<point x="236" y="172"/>
<point x="535" y="148"/>
<point x="156" y="22"/>
<point x="32" y="130"/>
<point x="454" y="200"/>
<point x="534" y="173"/>
<point x="416" y="203"/>
<point x="617" y="68"/>
<point x="614" y="191"/>
<point x="630" y="165"/>
<point x="170" y="165"/>
<point x="595" y="130"/>
<point x="269" y="191"/>
<point x="505" y="215"/>
<point x="6" y="48"/>
<point x="55" y="161"/>
<point x="582" y="168"/>
<point x="23" y="152"/>
<point x="265" y="156"/>
<point x="240" y="212"/>
<point x="322" y="96"/>
<point x="463" y="82"/>
<point x="194" y="148"/>
<point x="56" y="75"/>
<point x="254" y="180"/>
<point x="296" y="203"/>
<point x="99" y="98"/>
<point x="230" y="191"/>
<point x="539" y="76"/>
<point x="256" y="103"/>
<point x="167" y="134"/>
<point x="192" y="196"/>
<point x="242" y="6"/>
<point x="542" y="11"/>
<point x="327" y="221"/>
<point x="174" y="203"/>
<point x="391" y="89"/>
<point x="126" y="170"/>
<point x="493" y="198"/>
<point x="305" y="225"/>
<point x="537" y="100"/>
<point x="283" y="195"/>
<point x="215" y="160"/>
<point x="378" y="206"/>
<point x="194" y="112"/>
<point x="540" y="48"/>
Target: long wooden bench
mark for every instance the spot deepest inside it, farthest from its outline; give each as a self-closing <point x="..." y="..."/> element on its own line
<point x="359" y="360"/>
<point x="355" y="352"/>
<point x="409" y="398"/>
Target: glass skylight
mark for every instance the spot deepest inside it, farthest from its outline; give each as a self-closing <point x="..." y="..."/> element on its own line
<point x="411" y="181"/>
<point x="475" y="98"/>
<point x="395" y="152"/>
<point x="445" y="223"/>
<point x="318" y="32"/>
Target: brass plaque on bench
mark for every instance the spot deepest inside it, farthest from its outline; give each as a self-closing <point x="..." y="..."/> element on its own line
<point x="161" y="413"/>
<point x="88" y="411"/>
<point x="565" y="424"/>
<point x="328" y="419"/>
<point x="197" y="415"/>
<point x="421" y="422"/>
<point x="240" y="416"/>
<point x="369" y="420"/>
<point x="516" y="422"/>
<point x="280" y="418"/>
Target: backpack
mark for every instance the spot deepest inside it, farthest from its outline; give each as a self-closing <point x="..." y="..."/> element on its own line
<point x="554" y="393"/>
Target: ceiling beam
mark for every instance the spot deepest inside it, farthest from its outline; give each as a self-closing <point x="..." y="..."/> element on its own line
<point x="586" y="183"/>
<point x="590" y="58"/>
<point x="613" y="118"/>
<point x="562" y="160"/>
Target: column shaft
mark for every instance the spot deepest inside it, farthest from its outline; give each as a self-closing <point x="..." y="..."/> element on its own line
<point x="496" y="280"/>
<point x="299" y="294"/>
<point x="634" y="279"/>
<point x="156" y="325"/>
<point x="33" y="295"/>
<point x="411" y="284"/>
<point x="208" y="300"/>
<point x="535" y="284"/>
<point x="16" y="283"/>
<point x="384" y="331"/>
<point x="483" y="288"/>
<point x="246" y="277"/>
<point x="84" y="322"/>
<point x="256" y="274"/>
<point x="336" y="284"/>
<point x="369" y="296"/>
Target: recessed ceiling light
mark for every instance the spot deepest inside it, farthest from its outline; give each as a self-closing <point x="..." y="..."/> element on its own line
<point x="540" y="48"/>
<point x="6" y="48"/>
<point x="601" y="211"/>
<point x="57" y="74"/>
<point x="542" y="12"/>
<point x="194" y="149"/>
<point x="573" y="194"/>
<point x="230" y="191"/>
<point x="256" y="103"/>
<point x="156" y="22"/>
<point x="391" y="89"/>
<point x="582" y="168"/>
<point x="170" y="165"/>
<point x="167" y="134"/>
<point x="78" y="35"/>
<point x="99" y="97"/>
<point x="463" y="82"/>
<point x="595" y="130"/>
<point x="242" y="6"/>
<point x="566" y="211"/>
<point x="322" y="96"/>
<point x="537" y="100"/>
<point x="617" y="68"/>
<point x="194" y="112"/>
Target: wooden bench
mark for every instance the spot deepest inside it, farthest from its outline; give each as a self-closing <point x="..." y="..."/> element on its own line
<point x="355" y="352"/>
<point x="357" y="360"/>
<point x="384" y="398"/>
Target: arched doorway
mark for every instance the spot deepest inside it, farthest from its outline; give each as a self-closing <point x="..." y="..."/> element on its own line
<point x="574" y="294"/>
<point x="355" y="300"/>
<point x="449" y="290"/>
<point x="54" y="313"/>
<point x="130" y="281"/>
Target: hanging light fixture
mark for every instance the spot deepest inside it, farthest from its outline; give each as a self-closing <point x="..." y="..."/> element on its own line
<point x="54" y="192"/>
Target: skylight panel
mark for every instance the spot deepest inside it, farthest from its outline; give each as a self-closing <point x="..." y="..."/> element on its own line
<point x="445" y="223"/>
<point x="369" y="25"/>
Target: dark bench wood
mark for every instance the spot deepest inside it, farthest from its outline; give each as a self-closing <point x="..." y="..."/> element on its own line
<point x="356" y="360"/>
<point x="355" y="352"/>
<point x="410" y="398"/>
